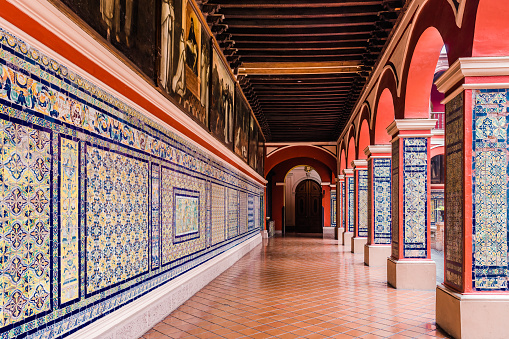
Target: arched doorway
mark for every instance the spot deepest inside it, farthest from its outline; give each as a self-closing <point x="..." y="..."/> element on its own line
<point x="308" y="209"/>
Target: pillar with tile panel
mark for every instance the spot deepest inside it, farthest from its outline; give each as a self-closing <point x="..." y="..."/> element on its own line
<point x="378" y="247"/>
<point x="340" y="200"/>
<point x="349" y="211"/>
<point x="410" y="265"/>
<point x="474" y="298"/>
<point x="359" y="239"/>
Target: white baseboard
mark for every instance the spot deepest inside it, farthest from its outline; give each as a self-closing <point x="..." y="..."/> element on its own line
<point x="136" y="318"/>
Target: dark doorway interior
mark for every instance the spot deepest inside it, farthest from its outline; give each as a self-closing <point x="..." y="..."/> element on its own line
<point x="308" y="207"/>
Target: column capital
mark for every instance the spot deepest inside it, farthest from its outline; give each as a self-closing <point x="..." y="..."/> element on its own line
<point x="359" y="163"/>
<point x="378" y="150"/>
<point x="472" y="67"/>
<point x="340" y="177"/>
<point x="421" y="127"/>
<point x="348" y="171"/>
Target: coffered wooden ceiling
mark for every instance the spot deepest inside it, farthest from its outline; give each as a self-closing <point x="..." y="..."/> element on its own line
<point x="301" y="63"/>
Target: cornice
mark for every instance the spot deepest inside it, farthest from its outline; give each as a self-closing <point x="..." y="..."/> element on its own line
<point x="472" y="67"/>
<point x="348" y="171"/>
<point x="377" y="149"/>
<point x="359" y="163"/>
<point x="411" y="125"/>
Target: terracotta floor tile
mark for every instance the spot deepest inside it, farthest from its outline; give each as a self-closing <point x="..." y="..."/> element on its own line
<point x="302" y="287"/>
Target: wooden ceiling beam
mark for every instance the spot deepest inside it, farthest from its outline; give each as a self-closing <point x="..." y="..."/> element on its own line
<point x="296" y="12"/>
<point x="350" y="21"/>
<point x="292" y="3"/>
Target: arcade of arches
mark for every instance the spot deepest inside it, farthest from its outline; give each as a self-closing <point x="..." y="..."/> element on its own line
<point x="121" y="199"/>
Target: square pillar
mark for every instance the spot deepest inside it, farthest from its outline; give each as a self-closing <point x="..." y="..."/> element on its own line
<point x="410" y="265"/>
<point x="473" y="302"/>
<point x="340" y="200"/>
<point x="349" y="215"/>
<point x="360" y="232"/>
<point x="378" y="247"/>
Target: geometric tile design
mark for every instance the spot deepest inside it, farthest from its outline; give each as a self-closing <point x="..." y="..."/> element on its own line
<point x="258" y="218"/>
<point x="454" y="175"/>
<point x="350" y="183"/>
<point x="382" y="200"/>
<point x="333" y="208"/>
<point x="183" y="211"/>
<point x="490" y="187"/>
<point x="362" y="204"/>
<point x="47" y="108"/>
<point x="250" y="212"/>
<point x="415" y="197"/>
<point x="25" y="221"/>
<point x="156" y="216"/>
<point x="117" y="218"/>
<point x="243" y="212"/>
<point x="342" y="205"/>
<point x="69" y="220"/>
<point x="218" y="214"/>
<point x="395" y="198"/>
<point x="233" y="213"/>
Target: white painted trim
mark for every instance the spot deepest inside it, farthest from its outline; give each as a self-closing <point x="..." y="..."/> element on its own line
<point x="472" y="67"/>
<point x="139" y="316"/>
<point x="496" y="297"/>
<point x="359" y="163"/>
<point x="55" y="21"/>
<point x="411" y="136"/>
<point x="326" y="183"/>
<point x="332" y="185"/>
<point x="341" y="177"/>
<point x="452" y="95"/>
<point x="280" y="184"/>
<point x="377" y="149"/>
<point x="411" y="125"/>
<point x="348" y="172"/>
<point x="486" y="86"/>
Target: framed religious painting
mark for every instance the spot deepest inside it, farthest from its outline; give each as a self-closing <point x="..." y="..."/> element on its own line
<point x="241" y="131"/>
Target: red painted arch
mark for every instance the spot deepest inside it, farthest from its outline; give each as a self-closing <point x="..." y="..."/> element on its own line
<point x="363" y="139"/>
<point x="291" y="152"/>
<point x="384" y="117"/>
<point x="491" y="29"/>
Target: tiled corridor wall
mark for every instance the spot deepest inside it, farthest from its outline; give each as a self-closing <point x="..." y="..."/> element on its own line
<point x="99" y="205"/>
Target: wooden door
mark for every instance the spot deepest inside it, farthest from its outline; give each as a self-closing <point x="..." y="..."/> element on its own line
<point x="308" y="207"/>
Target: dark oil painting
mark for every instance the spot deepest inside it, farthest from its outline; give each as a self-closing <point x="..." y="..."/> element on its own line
<point x="129" y="25"/>
<point x="242" y="114"/>
<point x="222" y="101"/>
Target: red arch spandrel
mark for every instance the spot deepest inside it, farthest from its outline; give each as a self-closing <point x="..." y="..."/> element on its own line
<point x="364" y="137"/>
<point x="491" y="29"/>
<point x="342" y="161"/>
<point x="291" y="152"/>
<point x="350" y="156"/>
<point x="384" y="117"/>
<point x="421" y="72"/>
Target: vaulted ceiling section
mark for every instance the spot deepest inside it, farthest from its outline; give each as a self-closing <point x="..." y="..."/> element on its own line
<point x="302" y="63"/>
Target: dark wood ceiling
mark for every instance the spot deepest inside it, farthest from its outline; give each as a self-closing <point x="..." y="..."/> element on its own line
<point x="301" y="63"/>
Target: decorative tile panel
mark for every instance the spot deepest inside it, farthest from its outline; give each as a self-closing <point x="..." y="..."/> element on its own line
<point x="250" y="212"/>
<point x="490" y="187"/>
<point x="350" y="182"/>
<point x="117" y="218"/>
<point x="342" y="205"/>
<point x="156" y="216"/>
<point x="415" y="197"/>
<point x="183" y="211"/>
<point x="243" y="211"/>
<point x="25" y="219"/>
<point x="333" y="208"/>
<point x="69" y="220"/>
<point x="454" y="138"/>
<point x="382" y="200"/>
<point x="362" y="204"/>
<point x="258" y="216"/>
<point x="233" y="213"/>
<point x="395" y="197"/>
<point x="45" y="111"/>
<point x="218" y="214"/>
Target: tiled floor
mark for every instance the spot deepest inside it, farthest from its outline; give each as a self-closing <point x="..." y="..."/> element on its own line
<point x="302" y="288"/>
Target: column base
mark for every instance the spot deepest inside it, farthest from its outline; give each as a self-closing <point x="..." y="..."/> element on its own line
<point x="412" y="274"/>
<point x="264" y="234"/>
<point x="358" y="244"/>
<point x="328" y="232"/>
<point x="472" y="316"/>
<point x="376" y="255"/>
<point x="338" y="234"/>
<point x="347" y="236"/>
